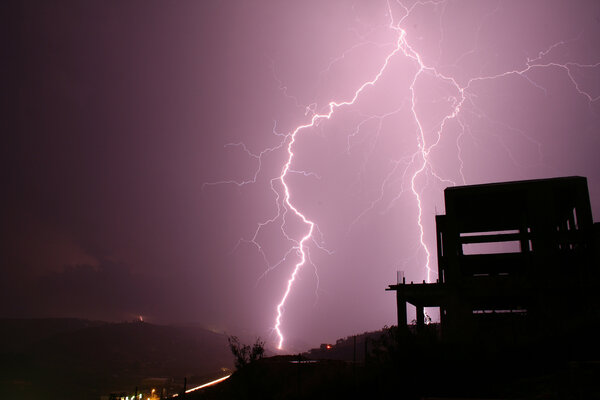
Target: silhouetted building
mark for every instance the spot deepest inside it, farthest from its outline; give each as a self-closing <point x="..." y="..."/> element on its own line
<point x="516" y="261"/>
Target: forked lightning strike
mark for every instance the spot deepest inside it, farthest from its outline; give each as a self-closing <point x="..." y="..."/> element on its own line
<point x="418" y="161"/>
<point x="301" y="248"/>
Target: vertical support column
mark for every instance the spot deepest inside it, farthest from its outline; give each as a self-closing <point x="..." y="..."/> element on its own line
<point x="401" y="307"/>
<point x="440" y="224"/>
<point x="583" y="209"/>
<point x="420" y="317"/>
<point x="524" y="235"/>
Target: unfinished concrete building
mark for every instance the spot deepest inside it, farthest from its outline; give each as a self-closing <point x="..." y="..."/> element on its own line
<point x="516" y="260"/>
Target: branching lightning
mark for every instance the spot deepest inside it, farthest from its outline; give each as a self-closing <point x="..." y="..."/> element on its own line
<point x="311" y="225"/>
<point x="413" y="167"/>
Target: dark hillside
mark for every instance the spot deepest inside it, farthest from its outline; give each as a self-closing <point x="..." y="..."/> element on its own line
<point x="20" y="334"/>
<point x="75" y="359"/>
<point x="411" y="367"/>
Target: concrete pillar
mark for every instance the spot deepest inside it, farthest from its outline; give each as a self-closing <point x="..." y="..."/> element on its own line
<point x="420" y="317"/>
<point x="401" y="307"/>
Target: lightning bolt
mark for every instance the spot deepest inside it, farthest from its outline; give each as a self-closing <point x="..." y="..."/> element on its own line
<point x="311" y="225"/>
<point x="411" y="168"/>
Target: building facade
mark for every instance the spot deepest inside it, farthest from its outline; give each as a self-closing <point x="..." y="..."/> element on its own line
<point x="516" y="260"/>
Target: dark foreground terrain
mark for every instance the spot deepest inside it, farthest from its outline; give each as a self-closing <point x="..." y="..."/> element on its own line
<point x="79" y="359"/>
<point x="408" y="367"/>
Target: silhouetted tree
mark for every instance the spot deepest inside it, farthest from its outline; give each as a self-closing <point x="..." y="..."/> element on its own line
<point x="258" y="350"/>
<point x="243" y="353"/>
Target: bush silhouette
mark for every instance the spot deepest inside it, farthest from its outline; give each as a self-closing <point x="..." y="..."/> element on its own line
<point x="244" y="354"/>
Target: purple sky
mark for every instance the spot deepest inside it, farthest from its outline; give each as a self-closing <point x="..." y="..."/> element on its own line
<point x="120" y="113"/>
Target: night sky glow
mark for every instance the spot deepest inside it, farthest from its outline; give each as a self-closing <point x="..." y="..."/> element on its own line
<point x="266" y="167"/>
